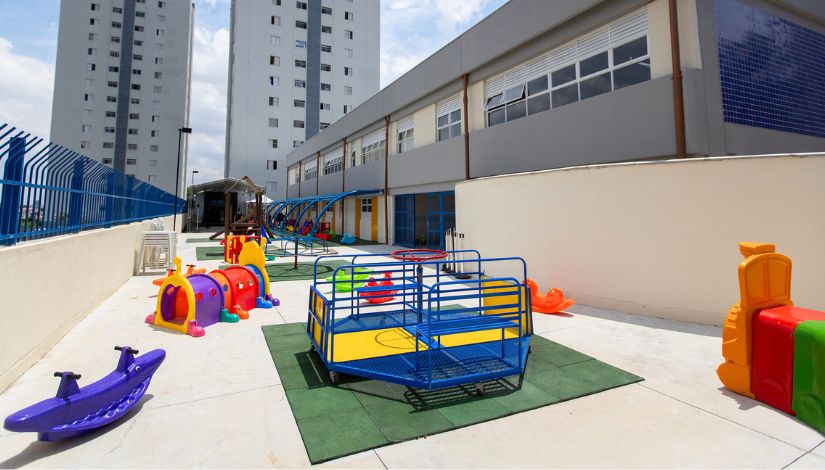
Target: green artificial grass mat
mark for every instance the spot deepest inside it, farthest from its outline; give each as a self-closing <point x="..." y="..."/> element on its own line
<point x="203" y="240"/>
<point x="360" y="414"/>
<point x="204" y="253"/>
<point x="286" y="272"/>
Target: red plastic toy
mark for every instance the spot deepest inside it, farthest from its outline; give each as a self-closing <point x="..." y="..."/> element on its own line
<point x="378" y="296"/>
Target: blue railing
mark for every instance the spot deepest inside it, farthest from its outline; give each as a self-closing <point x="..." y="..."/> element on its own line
<point x="47" y="190"/>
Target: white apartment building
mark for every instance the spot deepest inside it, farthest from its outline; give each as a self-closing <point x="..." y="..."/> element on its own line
<point x="122" y="80"/>
<point x="295" y="67"/>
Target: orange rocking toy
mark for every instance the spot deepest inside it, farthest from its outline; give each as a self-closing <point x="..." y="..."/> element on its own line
<point x="551" y="302"/>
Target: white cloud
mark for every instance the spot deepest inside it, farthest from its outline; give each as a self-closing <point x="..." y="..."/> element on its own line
<point x="208" y="103"/>
<point x="25" y="91"/>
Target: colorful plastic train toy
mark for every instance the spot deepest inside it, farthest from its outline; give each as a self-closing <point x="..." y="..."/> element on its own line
<point x="191" y="303"/>
<point x="75" y="411"/>
<point x="773" y="350"/>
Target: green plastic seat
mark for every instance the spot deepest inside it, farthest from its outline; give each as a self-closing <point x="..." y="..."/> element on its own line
<point x="809" y="373"/>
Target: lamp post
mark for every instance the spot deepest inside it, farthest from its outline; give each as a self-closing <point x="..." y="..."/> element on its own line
<point x="193" y="204"/>
<point x="181" y="131"/>
<point x="193" y="176"/>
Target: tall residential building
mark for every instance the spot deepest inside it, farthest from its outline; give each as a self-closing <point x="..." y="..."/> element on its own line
<point x="121" y="88"/>
<point x="294" y="68"/>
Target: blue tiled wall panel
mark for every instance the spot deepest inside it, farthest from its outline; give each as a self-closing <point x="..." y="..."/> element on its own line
<point x="772" y="70"/>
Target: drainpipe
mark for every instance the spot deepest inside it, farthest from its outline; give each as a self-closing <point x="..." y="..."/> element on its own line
<point x="464" y="78"/>
<point x="678" y="99"/>
<point x="344" y="187"/>
<point x="300" y="176"/>
<point x="386" y="177"/>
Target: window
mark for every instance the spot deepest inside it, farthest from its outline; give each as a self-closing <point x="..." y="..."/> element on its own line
<point x="109" y="130"/>
<point x="111" y="99"/>
<point x="326" y="10"/>
<point x="141" y="14"/>
<point x="94" y="21"/>
<point x="158" y="60"/>
<point x="301" y="5"/>
<point x="158" y="75"/>
<point x="326" y="48"/>
<point x="273" y="143"/>
<point x="88" y="97"/>
<point x="274" y="81"/>
<point x="300" y="24"/>
<point x="153" y="163"/>
<point x="299" y="103"/>
<point x="326" y="67"/>
<point x="301" y="63"/>
<point x="92" y="36"/>
<point x="275" y="40"/>
<point x="161" y="18"/>
<point x="272" y="165"/>
<point x="134" y="116"/>
<point x="108" y="161"/>
<point x="132" y="132"/>
<point x="161" y="4"/>
<point x="88" y="113"/>
<point x="116" y="24"/>
<point x="114" y="39"/>
<point x="134" y="100"/>
<point x="91" y="51"/>
<point x="274" y="60"/>
<point x="326" y="29"/>
<point x="310" y="173"/>
<point x="273" y="122"/>
<point x="298" y="124"/>
<point x="276" y="3"/>
<point x="366" y="205"/>
<point x="347" y="108"/>
<point x="112" y="84"/>
<point x="85" y="128"/>
<point x="348" y="90"/>
<point x="333" y="164"/>
<point x="158" y="46"/>
<point x="273" y="101"/>
<point x="152" y="179"/>
<point x="348" y="71"/>
<point x="114" y="54"/>
<point x="108" y="145"/>
<point x="91" y="67"/>
<point x="326" y="106"/>
<point x="297" y="143"/>
<point x="405" y="134"/>
<point x="275" y="20"/>
<point x="138" y="42"/>
<point x="300" y="84"/>
<point x="138" y="28"/>
<point x="373" y="148"/>
<point x="323" y="125"/>
<point x="153" y="148"/>
<point x="620" y="64"/>
<point x="114" y="68"/>
<point x="348" y="15"/>
<point x="448" y="123"/>
<point x="131" y="146"/>
<point x="90" y="82"/>
<point x="136" y="86"/>
<point x="84" y="144"/>
<point x="155" y="118"/>
<point x="348" y="34"/>
<point x="326" y="87"/>
<point x="348" y="52"/>
<point x="301" y="44"/>
<point x="271" y="187"/>
<point x="131" y="161"/>
<point x="138" y="57"/>
<point x="154" y="133"/>
<point x="117" y="10"/>
<point x="111" y="114"/>
<point x="160" y="32"/>
<point x="95" y="7"/>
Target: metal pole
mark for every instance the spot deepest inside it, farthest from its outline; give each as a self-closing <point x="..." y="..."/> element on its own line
<point x="177" y="185"/>
<point x="678" y="99"/>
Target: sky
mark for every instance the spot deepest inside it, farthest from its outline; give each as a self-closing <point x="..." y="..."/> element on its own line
<point x="411" y="30"/>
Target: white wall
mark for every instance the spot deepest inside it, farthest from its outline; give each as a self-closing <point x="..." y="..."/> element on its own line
<point x="657" y="238"/>
<point x="50" y="285"/>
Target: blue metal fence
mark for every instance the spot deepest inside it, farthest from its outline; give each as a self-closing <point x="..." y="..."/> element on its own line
<point x="48" y="190"/>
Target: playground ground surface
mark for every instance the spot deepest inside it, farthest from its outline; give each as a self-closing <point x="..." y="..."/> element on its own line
<point x="219" y="401"/>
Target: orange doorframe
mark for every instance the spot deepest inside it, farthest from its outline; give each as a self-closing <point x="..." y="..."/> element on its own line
<point x="374" y="220"/>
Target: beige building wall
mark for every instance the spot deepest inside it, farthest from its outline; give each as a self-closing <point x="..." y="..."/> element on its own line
<point x="475" y="105"/>
<point x="659" y="37"/>
<point x="424" y="125"/>
<point x="55" y="284"/>
<point x="658" y="238"/>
